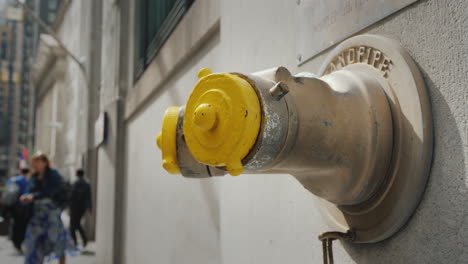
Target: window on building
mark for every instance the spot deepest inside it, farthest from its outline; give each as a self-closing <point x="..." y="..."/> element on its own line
<point x="51" y="17"/>
<point x="156" y="21"/>
<point x="53" y="4"/>
<point x="3" y="50"/>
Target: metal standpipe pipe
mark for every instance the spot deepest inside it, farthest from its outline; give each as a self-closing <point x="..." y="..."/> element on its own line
<point x="340" y="135"/>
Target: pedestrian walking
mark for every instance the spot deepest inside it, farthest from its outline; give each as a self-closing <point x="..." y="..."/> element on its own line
<point x="17" y="211"/>
<point x="21" y="212"/>
<point x="46" y="237"/>
<point x="80" y="203"/>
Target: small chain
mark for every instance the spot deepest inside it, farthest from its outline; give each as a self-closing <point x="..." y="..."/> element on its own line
<point x="327" y="243"/>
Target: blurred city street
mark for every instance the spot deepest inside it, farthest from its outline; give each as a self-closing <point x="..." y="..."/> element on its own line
<point x="9" y="255"/>
<point x="122" y="122"/>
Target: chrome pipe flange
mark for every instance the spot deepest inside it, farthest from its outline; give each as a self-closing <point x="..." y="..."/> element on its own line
<point x="398" y="196"/>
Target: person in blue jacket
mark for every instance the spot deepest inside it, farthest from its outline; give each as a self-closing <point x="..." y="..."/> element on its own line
<point x="46" y="237"/>
<point x="20" y="212"/>
<point x="21" y="180"/>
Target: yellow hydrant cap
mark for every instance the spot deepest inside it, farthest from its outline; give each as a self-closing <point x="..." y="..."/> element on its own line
<point x="166" y="140"/>
<point x="222" y="120"/>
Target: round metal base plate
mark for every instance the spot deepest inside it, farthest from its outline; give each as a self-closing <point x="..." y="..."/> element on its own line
<point x="394" y="203"/>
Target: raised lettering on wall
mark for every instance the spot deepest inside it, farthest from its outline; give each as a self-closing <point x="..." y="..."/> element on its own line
<point x="362" y="54"/>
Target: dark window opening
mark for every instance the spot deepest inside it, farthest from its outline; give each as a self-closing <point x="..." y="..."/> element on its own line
<point x="155" y="22"/>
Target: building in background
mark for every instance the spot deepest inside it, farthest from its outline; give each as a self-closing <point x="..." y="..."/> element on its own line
<point x="5" y="111"/>
<point x="15" y="92"/>
<point x="67" y="98"/>
<point x="19" y="40"/>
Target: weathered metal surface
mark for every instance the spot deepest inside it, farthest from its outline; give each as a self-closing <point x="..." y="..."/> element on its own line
<point x="340" y="146"/>
<point x="327" y="243"/>
<point x="189" y="167"/>
<point x="398" y="196"/>
<point x="279" y="90"/>
<point x="274" y="127"/>
<point x="323" y="23"/>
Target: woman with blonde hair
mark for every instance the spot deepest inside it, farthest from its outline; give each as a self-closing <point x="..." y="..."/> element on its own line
<point x="45" y="235"/>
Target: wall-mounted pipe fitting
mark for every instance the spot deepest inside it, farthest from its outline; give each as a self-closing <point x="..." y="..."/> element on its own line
<point x="359" y="137"/>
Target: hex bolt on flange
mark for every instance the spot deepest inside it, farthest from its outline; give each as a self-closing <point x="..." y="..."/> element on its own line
<point x="279" y="90"/>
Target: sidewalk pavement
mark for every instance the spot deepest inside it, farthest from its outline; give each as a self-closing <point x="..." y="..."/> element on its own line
<point x="9" y="255"/>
